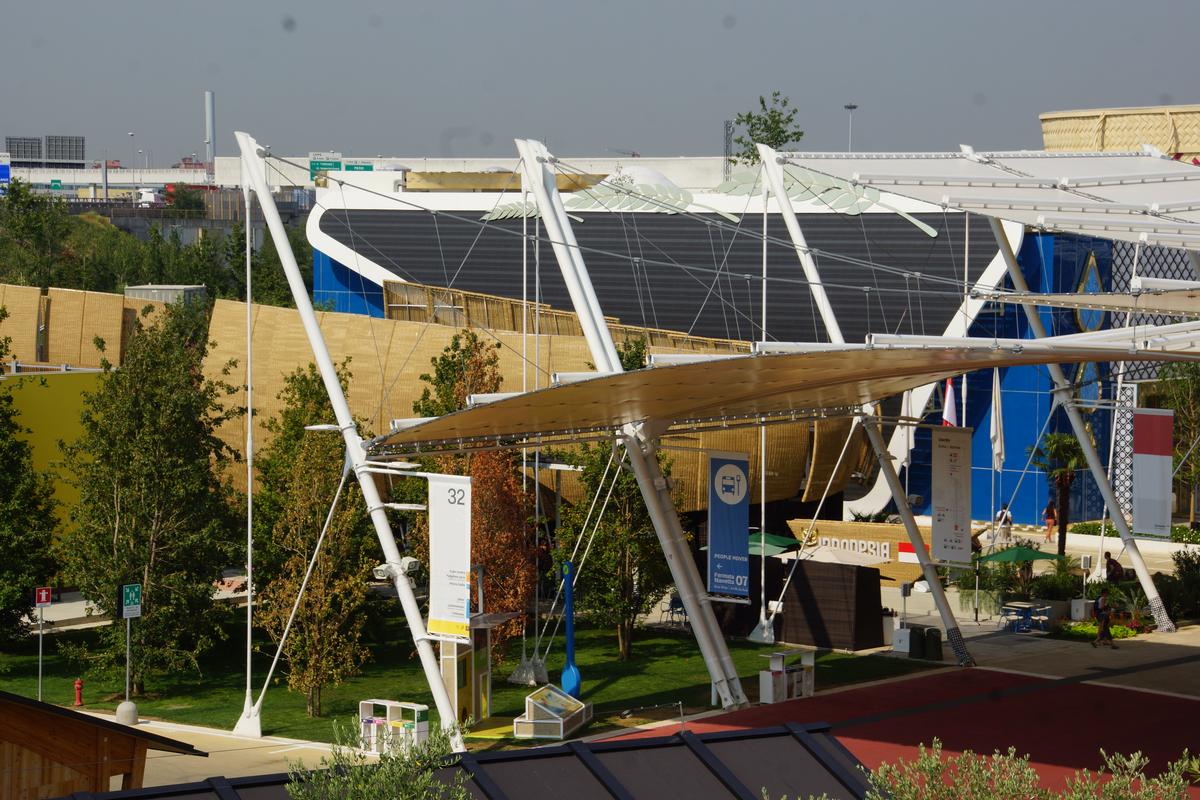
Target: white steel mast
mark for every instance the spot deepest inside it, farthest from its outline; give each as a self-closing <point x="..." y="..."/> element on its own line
<point x="254" y="173"/>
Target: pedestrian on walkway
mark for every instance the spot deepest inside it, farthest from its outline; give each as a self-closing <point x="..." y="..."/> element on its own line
<point x="1003" y="528"/>
<point x="1050" y="517"/>
<point x="1102" y="611"/>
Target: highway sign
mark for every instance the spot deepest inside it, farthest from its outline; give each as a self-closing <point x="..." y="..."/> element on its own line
<point x="323" y="162"/>
<point x="5" y="172"/>
<point x="359" y="166"/>
<point x="131" y="600"/>
<point x="41" y="597"/>
<point x="56" y="185"/>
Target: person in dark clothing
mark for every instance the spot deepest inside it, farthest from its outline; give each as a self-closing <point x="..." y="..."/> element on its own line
<point x="1113" y="571"/>
<point x="1050" y="517"/>
<point x="1103" y="612"/>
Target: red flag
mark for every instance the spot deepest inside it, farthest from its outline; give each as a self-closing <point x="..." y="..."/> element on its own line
<point x="949" y="407"/>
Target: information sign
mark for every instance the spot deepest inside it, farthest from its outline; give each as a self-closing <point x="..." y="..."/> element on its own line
<point x="358" y="166"/>
<point x="56" y="185"/>
<point x="450" y="556"/>
<point x="952" y="495"/>
<point x="1153" y="448"/>
<point x="729" y="524"/>
<point x="42" y="597"/>
<point x="131" y="600"/>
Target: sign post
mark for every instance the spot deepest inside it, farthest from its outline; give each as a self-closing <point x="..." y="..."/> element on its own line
<point x="41" y="598"/>
<point x="5" y="173"/>
<point x="729" y="526"/>
<point x="131" y="606"/>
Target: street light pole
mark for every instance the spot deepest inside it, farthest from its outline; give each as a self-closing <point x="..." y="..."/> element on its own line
<point x="132" y="153"/>
<point x="850" y="133"/>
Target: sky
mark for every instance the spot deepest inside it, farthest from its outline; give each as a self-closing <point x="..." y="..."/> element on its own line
<point x="656" y="77"/>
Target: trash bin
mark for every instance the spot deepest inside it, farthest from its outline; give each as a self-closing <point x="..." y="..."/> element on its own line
<point x="916" y="641"/>
<point x="933" y="644"/>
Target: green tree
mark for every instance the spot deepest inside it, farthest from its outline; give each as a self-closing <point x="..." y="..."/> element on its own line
<point x="1060" y="457"/>
<point x="416" y="773"/>
<point x="1179" y="389"/>
<point x="500" y="529"/>
<point x="626" y="573"/>
<point x="152" y="508"/>
<point x="324" y="645"/>
<point x="26" y="518"/>
<point x="772" y="124"/>
<point x="185" y="198"/>
<point x="33" y="232"/>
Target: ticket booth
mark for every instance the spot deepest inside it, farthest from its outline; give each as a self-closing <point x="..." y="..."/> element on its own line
<point x="467" y="668"/>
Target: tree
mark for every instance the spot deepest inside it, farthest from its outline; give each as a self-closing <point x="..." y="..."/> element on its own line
<point x="399" y="774"/>
<point x="1179" y="389"/>
<point x="33" y="231"/>
<point x="1060" y="457"/>
<point x="152" y="508"/>
<point x="626" y="573"/>
<point x="773" y="124"/>
<point x="26" y="519"/>
<point x="324" y="645"/>
<point x="500" y="539"/>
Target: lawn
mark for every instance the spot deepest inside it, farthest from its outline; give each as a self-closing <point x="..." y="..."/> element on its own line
<point x="666" y="667"/>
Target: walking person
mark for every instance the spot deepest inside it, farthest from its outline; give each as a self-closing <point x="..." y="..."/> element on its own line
<point x="1003" y="530"/>
<point x="1102" y="611"/>
<point x="1050" y="517"/>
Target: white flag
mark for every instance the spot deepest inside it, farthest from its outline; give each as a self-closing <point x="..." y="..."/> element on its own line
<point x="949" y="407"/>
<point x="997" y="432"/>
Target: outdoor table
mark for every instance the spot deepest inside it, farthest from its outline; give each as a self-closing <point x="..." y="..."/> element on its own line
<point x="1023" y="610"/>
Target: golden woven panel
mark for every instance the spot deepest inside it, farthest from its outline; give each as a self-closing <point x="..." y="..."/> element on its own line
<point x="22" y="304"/>
<point x="854" y="532"/>
<point x="64" y="326"/>
<point x="102" y="318"/>
<point x="1171" y="129"/>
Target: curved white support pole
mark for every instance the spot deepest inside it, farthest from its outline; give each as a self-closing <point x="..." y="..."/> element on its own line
<point x="252" y="163"/>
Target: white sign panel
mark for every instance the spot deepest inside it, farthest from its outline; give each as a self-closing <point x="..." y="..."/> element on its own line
<point x="952" y="495"/>
<point x="1153" y="447"/>
<point x="449" y="556"/>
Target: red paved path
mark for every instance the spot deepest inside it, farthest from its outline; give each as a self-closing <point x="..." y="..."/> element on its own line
<point x="1061" y="724"/>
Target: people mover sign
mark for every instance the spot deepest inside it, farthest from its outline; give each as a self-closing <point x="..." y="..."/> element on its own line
<point x="729" y="524"/>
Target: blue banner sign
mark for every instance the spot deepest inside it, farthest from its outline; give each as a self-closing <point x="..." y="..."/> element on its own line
<point x="729" y="524"/>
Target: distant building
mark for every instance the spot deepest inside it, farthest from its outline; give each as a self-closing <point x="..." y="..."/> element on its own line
<point x="32" y="152"/>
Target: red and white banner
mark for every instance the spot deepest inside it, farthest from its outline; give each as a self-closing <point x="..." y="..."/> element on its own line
<point x="907" y="554"/>
<point x="1153" y="447"/>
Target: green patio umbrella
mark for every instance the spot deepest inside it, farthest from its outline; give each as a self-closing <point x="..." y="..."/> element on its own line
<point x="1020" y="554"/>
<point x="774" y="544"/>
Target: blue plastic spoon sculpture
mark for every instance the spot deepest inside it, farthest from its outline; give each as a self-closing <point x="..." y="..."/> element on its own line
<point x="571" y="681"/>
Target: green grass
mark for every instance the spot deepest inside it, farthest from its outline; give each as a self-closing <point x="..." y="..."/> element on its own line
<point x="665" y="668"/>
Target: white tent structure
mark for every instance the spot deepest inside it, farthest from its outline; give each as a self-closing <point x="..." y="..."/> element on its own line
<point x="779" y="383"/>
<point x="1143" y="198"/>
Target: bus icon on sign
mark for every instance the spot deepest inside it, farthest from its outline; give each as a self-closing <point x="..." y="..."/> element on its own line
<point x="729" y="484"/>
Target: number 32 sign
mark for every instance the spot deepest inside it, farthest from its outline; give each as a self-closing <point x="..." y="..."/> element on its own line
<point x="450" y="555"/>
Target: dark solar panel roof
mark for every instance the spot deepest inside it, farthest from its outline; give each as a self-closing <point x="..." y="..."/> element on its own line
<point x="792" y="760"/>
<point x="675" y="285"/>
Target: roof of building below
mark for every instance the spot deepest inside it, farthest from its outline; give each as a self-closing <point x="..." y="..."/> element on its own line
<point x="788" y="760"/>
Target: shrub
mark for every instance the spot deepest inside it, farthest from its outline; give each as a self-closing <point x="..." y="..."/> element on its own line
<point x="1086" y="631"/>
<point x="1180" y="534"/>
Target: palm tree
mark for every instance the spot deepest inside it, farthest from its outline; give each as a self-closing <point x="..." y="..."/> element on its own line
<point x="1060" y="456"/>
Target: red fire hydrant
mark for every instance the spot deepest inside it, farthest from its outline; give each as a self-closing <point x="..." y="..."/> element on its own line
<point x="79" y="691"/>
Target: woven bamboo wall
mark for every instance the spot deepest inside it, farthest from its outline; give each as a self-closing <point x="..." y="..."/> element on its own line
<point x="22" y="304"/>
<point x="388" y="357"/>
<point x="1172" y="129"/>
<point x="73" y="321"/>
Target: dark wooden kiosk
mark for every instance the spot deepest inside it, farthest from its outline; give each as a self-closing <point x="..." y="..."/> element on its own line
<point x="49" y="751"/>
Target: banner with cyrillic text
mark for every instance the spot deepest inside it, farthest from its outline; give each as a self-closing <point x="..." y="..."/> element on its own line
<point x="450" y="556"/>
<point x="951" y="527"/>
<point x="729" y="524"/>
<point x="1153" y="447"/>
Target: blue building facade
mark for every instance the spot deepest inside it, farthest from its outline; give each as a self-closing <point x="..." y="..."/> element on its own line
<point x="1051" y="263"/>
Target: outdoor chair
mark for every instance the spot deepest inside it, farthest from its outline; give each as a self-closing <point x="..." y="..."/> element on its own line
<point x="673" y="609"/>
<point x="1041" y="618"/>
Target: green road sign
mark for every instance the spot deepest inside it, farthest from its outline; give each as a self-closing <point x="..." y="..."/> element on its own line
<point x="56" y="185"/>
<point x="131" y="600"/>
<point x="315" y="166"/>
<point x="359" y="167"/>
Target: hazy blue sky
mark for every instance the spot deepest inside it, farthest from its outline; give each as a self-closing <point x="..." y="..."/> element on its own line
<point x="464" y="78"/>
